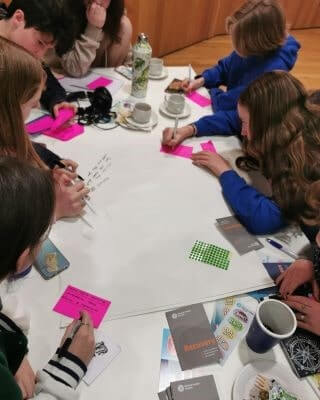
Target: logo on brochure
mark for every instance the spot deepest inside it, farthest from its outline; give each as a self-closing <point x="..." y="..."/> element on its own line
<point x="180" y="314"/>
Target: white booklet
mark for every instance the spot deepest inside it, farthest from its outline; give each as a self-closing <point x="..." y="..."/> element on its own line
<point x="105" y="352"/>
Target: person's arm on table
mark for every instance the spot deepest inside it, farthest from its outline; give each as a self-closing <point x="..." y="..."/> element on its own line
<point x="259" y="214"/>
<point x="54" y="96"/>
<point x="224" y="123"/>
<point x="211" y="77"/>
<point x="79" y="59"/>
<point x="61" y="376"/>
<point x="301" y="272"/>
<point x="307" y="312"/>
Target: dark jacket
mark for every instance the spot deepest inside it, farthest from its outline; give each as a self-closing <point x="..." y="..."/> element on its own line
<point x="54" y="92"/>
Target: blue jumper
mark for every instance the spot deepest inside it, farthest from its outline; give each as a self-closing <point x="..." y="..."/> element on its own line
<point x="258" y="213"/>
<point x="236" y="73"/>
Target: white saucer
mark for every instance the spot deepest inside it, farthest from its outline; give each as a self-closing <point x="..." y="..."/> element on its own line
<point x="186" y="112"/>
<point x="164" y="75"/>
<point x="132" y="124"/>
<point x="270" y="369"/>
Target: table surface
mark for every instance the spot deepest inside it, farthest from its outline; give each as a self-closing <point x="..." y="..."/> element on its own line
<point x="136" y="291"/>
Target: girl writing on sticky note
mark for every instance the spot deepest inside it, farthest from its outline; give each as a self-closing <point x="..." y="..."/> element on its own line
<point x="261" y="43"/>
<point x="27" y="196"/>
<point x="281" y="139"/>
<point x="103" y="36"/>
<point x="22" y="81"/>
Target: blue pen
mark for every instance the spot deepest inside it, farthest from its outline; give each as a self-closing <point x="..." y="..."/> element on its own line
<point x="282" y="248"/>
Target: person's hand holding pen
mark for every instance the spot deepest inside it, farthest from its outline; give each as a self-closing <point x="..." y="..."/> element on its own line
<point x="79" y="339"/>
<point x="189" y="85"/>
<point x="68" y="167"/>
<point x="172" y="137"/>
<point x="70" y="195"/>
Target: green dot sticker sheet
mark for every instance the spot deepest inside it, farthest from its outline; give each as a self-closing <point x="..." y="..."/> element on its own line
<point x="210" y="254"/>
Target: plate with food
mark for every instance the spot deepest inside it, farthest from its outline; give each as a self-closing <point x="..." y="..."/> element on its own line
<point x="267" y="380"/>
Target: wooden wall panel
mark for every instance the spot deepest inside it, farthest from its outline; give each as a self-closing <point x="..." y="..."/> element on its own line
<point x="184" y="22"/>
<point x="145" y="16"/>
<point x="218" y="19"/>
<point x="175" y="24"/>
<point x="302" y="13"/>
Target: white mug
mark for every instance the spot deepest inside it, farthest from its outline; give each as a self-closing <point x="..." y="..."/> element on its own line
<point x="174" y="103"/>
<point x="141" y="113"/>
<point x="156" y="66"/>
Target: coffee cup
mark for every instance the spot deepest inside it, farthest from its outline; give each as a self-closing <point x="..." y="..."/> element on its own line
<point x="156" y="66"/>
<point x="175" y="103"/>
<point x="141" y="113"/>
<point x="274" y="321"/>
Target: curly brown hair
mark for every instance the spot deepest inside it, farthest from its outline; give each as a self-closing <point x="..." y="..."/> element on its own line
<point x="285" y="142"/>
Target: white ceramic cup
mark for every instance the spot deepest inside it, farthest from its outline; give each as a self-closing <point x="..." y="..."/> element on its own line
<point x="141" y="113"/>
<point x="156" y="66"/>
<point x="174" y="103"/>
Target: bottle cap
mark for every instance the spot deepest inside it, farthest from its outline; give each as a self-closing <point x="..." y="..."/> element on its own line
<point x="143" y="37"/>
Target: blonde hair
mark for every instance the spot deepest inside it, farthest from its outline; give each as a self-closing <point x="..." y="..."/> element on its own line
<point x="257" y="28"/>
<point x="285" y="142"/>
<point x="21" y="75"/>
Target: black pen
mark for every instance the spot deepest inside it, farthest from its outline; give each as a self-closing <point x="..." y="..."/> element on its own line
<point x="61" y="165"/>
<point x="68" y="341"/>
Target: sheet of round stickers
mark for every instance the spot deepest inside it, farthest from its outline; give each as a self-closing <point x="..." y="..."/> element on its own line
<point x="210" y="254"/>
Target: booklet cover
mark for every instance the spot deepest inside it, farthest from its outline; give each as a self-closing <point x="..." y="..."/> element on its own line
<point x="237" y="235"/>
<point x="193" y="338"/>
<point x="202" y="388"/>
<point x="303" y="352"/>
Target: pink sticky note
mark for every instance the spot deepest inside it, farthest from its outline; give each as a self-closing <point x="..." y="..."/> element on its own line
<point x="199" y="99"/>
<point x="208" y="146"/>
<point x="179" y="151"/>
<point x="66" y="133"/>
<point x="102" y="81"/>
<point x="65" y="114"/>
<point x="74" y="300"/>
<point x="39" y="125"/>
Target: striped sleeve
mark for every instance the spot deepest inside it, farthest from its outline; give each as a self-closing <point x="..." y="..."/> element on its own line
<point x="68" y="369"/>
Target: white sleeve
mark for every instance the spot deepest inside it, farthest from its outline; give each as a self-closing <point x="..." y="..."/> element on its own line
<point x="15" y="310"/>
<point x="59" y="378"/>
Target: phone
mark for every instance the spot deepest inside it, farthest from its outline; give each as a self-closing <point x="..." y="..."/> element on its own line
<point x="124" y="71"/>
<point x="50" y="261"/>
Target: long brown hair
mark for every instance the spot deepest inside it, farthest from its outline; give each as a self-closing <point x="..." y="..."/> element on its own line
<point x="285" y="141"/>
<point x="21" y="75"/>
<point x="112" y="25"/>
<point x="27" y="197"/>
<point x="257" y="27"/>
